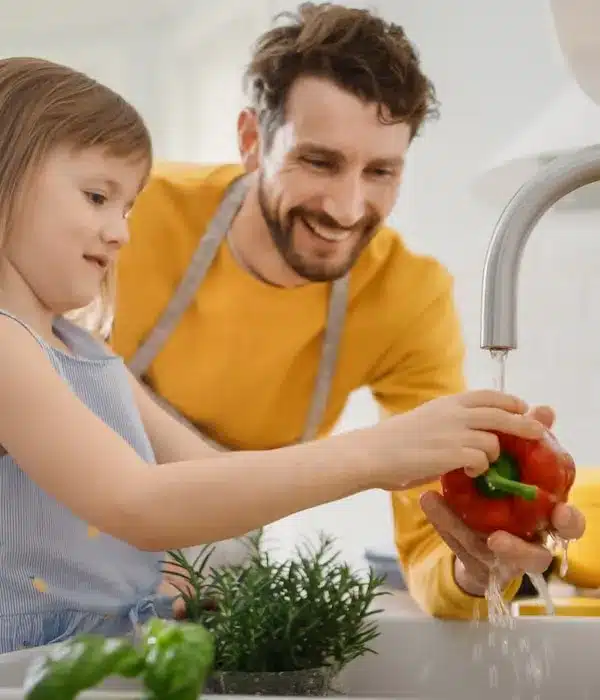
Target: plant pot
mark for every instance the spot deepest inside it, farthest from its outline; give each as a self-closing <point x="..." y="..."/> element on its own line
<point x="310" y="682"/>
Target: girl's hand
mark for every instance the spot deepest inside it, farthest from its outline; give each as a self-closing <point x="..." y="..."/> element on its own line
<point x="452" y="432"/>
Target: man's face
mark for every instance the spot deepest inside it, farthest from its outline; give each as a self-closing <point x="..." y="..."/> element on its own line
<point x="329" y="179"/>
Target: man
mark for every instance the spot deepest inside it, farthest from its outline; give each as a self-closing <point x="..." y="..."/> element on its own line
<point x="292" y="291"/>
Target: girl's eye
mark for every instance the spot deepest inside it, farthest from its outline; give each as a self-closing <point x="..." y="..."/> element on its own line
<point x="96" y="198"/>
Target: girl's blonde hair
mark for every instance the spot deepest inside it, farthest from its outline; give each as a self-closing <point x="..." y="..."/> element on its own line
<point x="44" y="105"/>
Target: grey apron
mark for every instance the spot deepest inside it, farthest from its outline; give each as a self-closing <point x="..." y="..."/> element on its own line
<point x="204" y="255"/>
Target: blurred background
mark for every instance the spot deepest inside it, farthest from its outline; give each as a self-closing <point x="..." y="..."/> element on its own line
<point x="506" y="94"/>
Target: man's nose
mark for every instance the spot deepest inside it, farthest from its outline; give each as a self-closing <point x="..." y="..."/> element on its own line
<point x="344" y="200"/>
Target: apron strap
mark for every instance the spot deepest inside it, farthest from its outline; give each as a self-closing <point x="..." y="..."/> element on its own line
<point x="195" y="273"/>
<point x="338" y="303"/>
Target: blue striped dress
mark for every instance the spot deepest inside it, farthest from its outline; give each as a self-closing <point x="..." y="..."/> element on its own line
<point x="58" y="574"/>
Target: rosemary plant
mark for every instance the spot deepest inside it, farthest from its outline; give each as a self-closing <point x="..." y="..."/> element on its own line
<point x="308" y="612"/>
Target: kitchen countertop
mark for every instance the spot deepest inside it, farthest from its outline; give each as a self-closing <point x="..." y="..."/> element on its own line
<point x="421" y="657"/>
<point x="401" y="604"/>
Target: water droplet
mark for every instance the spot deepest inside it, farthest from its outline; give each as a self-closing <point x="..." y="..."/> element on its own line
<point x="493" y="676"/>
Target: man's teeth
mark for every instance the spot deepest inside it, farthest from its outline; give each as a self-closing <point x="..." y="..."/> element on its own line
<point x="330" y="235"/>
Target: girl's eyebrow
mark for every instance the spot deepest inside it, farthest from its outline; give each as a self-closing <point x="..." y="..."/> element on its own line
<point x="112" y="185"/>
<point x="108" y="182"/>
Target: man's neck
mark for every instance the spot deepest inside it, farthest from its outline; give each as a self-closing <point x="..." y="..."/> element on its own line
<point x="253" y="248"/>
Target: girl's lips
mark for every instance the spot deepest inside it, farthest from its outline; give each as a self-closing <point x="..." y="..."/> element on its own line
<point x="97" y="260"/>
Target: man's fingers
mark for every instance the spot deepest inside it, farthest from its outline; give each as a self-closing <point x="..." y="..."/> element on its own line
<point x="449" y="525"/>
<point x="514" y="555"/>
<point x="477" y="571"/>
<point x="522" y="555"/>
<point x="568" y="522"/>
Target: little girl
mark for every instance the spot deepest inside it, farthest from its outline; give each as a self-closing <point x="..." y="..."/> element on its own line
<point x="85" y="511"/>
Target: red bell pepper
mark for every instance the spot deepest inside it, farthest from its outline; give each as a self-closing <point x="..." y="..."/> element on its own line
<point x="519" y="491"/>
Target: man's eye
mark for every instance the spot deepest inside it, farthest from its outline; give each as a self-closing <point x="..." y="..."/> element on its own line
<point x="382" y="172"/>
<point x="318" y="163"/>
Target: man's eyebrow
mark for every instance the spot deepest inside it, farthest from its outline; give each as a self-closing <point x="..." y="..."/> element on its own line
<point x="389" y="161"/>
<point x="320" y="148"/>
<point x="334" y="154"/>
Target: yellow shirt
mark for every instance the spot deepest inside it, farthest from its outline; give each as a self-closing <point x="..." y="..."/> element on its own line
<point x="584" y="555"/>
<point x="243" y="360"/>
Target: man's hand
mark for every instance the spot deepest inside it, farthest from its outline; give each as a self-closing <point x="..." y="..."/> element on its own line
<point x="512" y="557"/>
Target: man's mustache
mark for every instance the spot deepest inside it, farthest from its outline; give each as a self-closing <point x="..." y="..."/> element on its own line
<point x="366" y="223"/>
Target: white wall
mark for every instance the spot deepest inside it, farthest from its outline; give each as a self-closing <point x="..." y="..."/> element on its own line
<point x="495" y="65"/>
<point x="495" y="72"/>
<point x="130" y="63"/>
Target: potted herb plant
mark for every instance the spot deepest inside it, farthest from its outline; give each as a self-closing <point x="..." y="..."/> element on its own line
<point x="280" y="628"/>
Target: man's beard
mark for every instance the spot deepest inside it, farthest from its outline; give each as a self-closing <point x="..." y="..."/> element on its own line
<point x="282" y="235"/>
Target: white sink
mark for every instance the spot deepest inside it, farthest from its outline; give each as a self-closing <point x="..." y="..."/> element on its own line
<point x="541" y="658"/>
<point x="420" y="658"/>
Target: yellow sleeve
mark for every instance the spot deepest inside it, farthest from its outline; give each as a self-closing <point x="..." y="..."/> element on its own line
<point x="427" y="361"/>
<point x="583" y="562"/>
<point x="429" y="366"/>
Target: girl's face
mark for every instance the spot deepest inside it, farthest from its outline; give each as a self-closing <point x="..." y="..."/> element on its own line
<point x="70" y="226"/>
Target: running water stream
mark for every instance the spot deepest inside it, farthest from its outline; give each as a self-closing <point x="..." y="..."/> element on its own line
<point x="497" y="608"/>
<point x="531" y="666"/>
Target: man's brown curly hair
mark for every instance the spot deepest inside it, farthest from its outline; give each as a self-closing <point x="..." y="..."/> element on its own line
<point x="358" y="51"/>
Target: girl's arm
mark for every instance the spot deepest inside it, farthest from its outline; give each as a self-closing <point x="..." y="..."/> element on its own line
<point x="73" y="455"/>
<point x="171" y="440"/>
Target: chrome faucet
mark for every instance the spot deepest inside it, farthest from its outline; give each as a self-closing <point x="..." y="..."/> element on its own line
<point x="562" y="176"/>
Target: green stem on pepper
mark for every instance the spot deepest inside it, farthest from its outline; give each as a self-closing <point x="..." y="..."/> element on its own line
<point x="502" y="479"/>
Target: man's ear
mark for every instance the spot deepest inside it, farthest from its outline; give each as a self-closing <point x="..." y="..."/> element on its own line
<point x="248" y="139"/>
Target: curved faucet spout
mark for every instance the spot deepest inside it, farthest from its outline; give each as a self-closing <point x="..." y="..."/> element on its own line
<point x="501" y="269"/>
